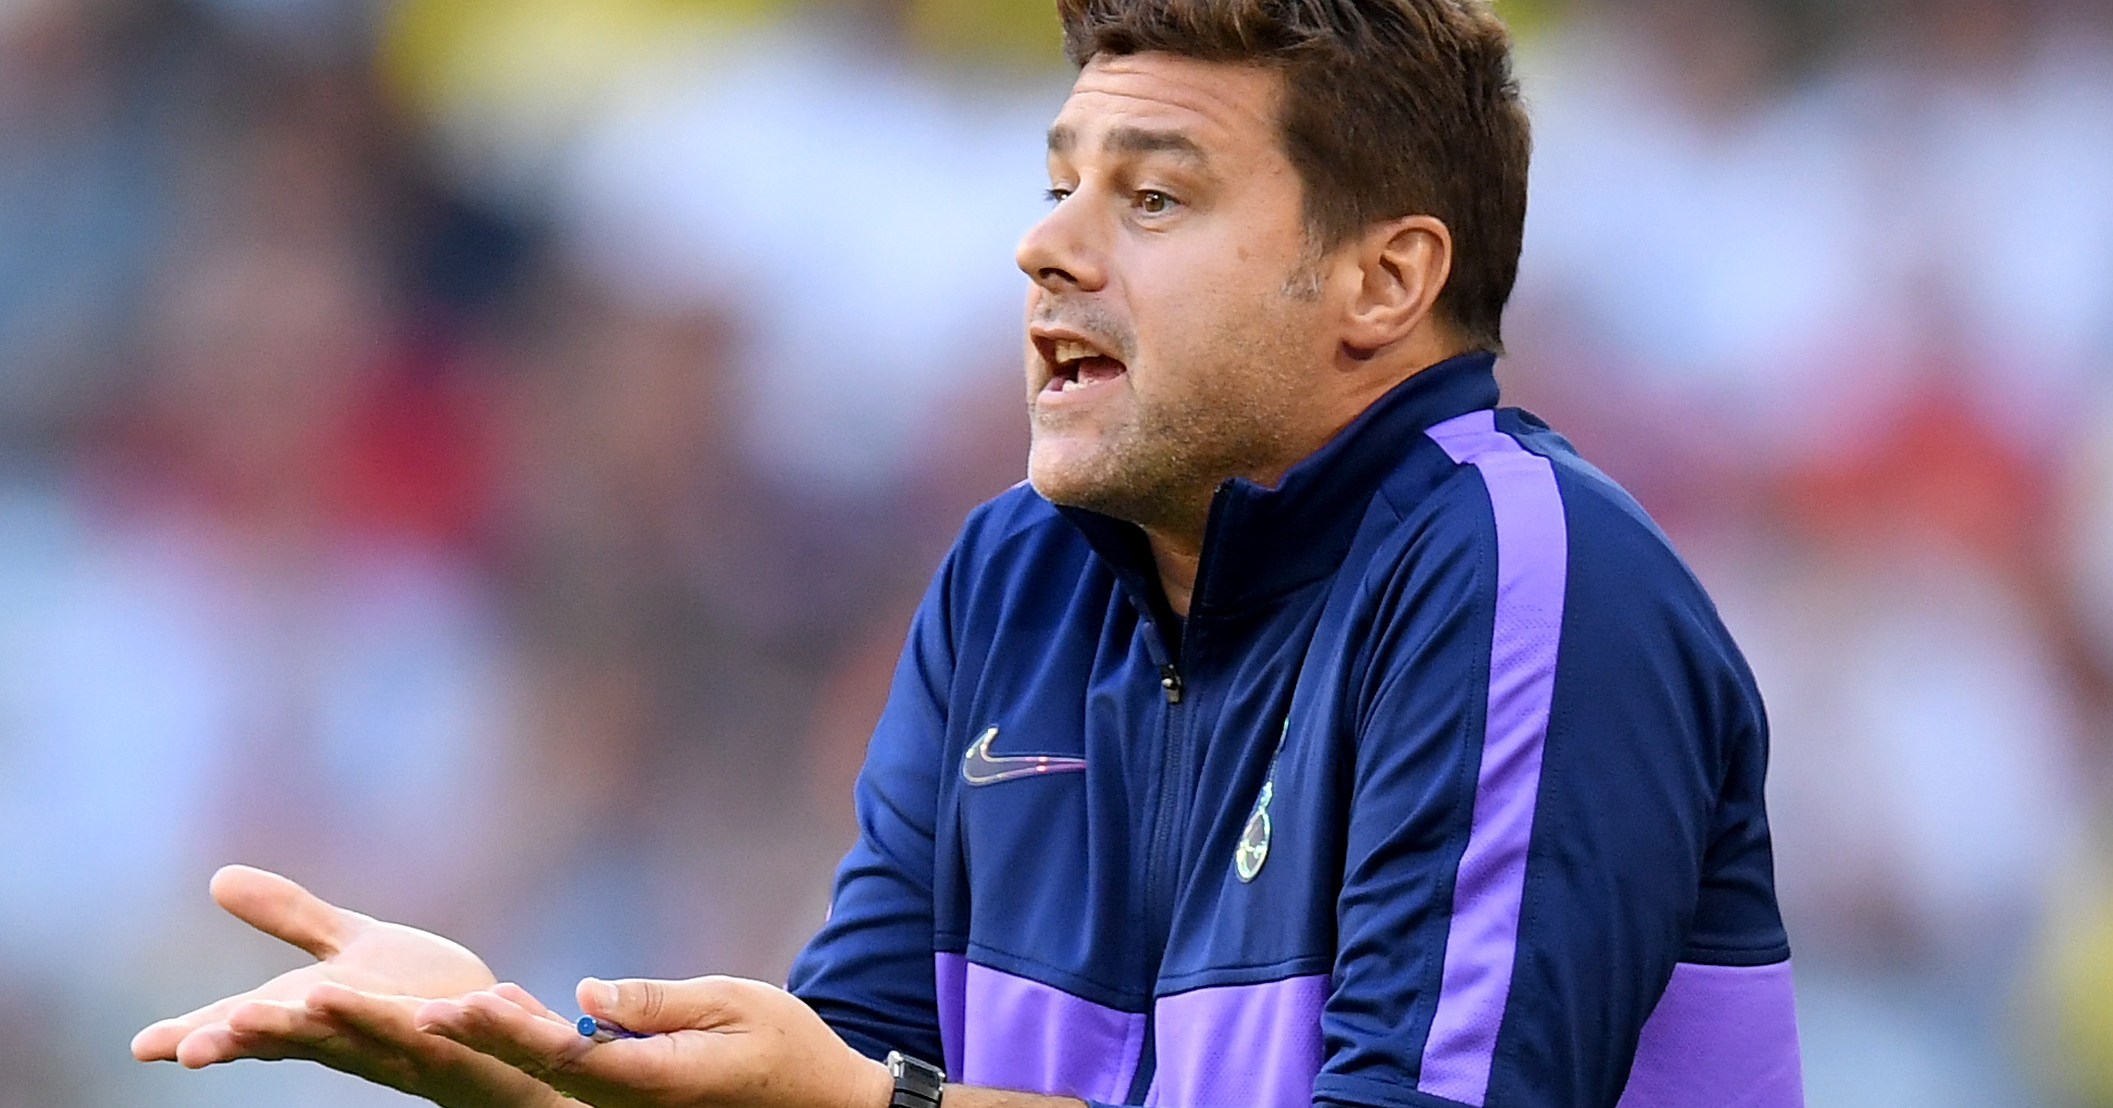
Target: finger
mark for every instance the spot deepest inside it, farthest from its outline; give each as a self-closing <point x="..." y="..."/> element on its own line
<point x="527" y="1000"/>
<point x="555" y="1054"/>
<point x="700" y="1003"/>
<point x="265" y="1022"/>
<point x="386" y="1018"/>
<point x="262" y="1029"/>
<point x="390" y="1046"/>
<point x="280" y="908"/>
<point x="274" y="1030"/>
<point x="209" y="1045"/>
<point x="492" y="1024"/>
<point x="157" y="1041"/>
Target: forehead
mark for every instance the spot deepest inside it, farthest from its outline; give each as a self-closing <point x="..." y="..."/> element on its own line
<point x="1218" y="106"/>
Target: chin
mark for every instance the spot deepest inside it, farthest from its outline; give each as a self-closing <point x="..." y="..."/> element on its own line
<point x="1097" y="491"/>
<point x="1073" y="474"/>
<point x="1112" y="478"/>
<point x="1060" y="484"/>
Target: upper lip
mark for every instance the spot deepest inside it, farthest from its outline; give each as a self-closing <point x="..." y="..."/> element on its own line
<point x="1048" y="338"/>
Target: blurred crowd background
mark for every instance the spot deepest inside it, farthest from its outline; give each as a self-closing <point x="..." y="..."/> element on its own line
<point x="478" y="457"/>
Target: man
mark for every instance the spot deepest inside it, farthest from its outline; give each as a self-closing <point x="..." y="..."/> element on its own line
<point x="1310" y="732"/>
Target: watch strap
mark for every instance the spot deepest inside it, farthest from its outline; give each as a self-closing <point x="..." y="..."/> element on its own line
<point x="917" y="1082"/>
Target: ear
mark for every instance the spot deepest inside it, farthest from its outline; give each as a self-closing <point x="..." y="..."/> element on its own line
<point x="1402" y="266"/>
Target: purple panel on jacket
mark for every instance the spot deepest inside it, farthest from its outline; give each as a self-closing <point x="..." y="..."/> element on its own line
<point x="1532" y="573"/>
<point x="950" y="975"/>
<point x="1258" y="1046"/>
<point x="1014" y="1033"/>
<point x="1721" y="1037"/>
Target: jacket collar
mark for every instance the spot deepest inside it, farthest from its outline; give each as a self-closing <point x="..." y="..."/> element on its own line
<point x="1262" y="542"/>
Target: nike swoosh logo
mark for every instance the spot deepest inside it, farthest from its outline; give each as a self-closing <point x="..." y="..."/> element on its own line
<point x="980" y="767"/>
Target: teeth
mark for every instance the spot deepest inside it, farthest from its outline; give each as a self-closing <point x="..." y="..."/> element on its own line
<point x="1071" y="350"/>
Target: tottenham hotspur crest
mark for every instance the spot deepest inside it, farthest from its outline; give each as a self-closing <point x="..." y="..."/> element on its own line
<point x="1254" y="838"/>
<point x="1253" y="847"/>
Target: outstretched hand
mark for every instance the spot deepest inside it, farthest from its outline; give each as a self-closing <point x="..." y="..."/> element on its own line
<point x="351" y="1010"/>
<point x="715" y="1042"/>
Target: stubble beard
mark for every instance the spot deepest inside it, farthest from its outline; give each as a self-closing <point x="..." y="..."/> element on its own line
<point x="1159" y="466"/>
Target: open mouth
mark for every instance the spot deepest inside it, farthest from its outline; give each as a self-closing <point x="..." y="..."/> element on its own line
<point x="1076" y="365"/>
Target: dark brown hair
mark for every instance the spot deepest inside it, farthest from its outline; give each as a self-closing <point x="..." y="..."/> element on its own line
<point x="1391" y="108"/>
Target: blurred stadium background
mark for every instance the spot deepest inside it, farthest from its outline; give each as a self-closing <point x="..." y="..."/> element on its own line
<point x="477" y="456"/>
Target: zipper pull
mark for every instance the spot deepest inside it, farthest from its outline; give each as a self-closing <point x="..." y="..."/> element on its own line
<point x="1169" y="676"/>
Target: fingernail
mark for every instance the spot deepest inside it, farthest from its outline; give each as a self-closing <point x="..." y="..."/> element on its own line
<point x="601" y="992"/>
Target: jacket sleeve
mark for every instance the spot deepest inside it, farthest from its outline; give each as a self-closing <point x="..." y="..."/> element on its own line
<point x="869" y="971"/>
<point x="1536" y="774"/>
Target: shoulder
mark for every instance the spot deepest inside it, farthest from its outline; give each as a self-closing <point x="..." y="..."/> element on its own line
<point x="1012" y="555"/>
<point x="1602" y="521"/>
<point x="1011" y="532"/>
<point x="1623" y="576"/>
<point x="1635" y="634"/>
<point x="1504" y="483"/>
<point x="1504" y="518"/>
<point x="1016" y="511"/>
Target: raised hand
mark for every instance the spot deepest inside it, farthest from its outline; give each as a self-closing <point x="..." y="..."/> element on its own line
<point x="718" y="1042"/>
<point x="352" y="1009"/>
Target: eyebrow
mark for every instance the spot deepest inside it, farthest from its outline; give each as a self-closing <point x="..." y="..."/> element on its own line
<point x="1133" y="140"/>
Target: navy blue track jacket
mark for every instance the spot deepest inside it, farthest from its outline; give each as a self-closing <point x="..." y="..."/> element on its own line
<point x="1447" y="791"/>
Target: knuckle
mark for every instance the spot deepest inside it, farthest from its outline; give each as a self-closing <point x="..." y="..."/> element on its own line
<point x="734" y="992"/>
<point x="652" y="999"/>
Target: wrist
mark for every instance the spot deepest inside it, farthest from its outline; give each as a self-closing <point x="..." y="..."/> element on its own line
<point x="917" y="1083"/>
<point x="874" y="1086"/>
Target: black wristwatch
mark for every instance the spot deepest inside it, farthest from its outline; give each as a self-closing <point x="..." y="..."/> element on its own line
<point x="917" y="1082"/>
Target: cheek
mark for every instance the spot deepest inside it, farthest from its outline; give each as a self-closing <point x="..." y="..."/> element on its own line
<point x="1216" y="310"/>
<point x="1175" y="294"/>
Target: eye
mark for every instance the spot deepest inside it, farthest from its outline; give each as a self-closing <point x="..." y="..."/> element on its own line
<point x="1154" y="202"/>
<point x="1056" y="194"/>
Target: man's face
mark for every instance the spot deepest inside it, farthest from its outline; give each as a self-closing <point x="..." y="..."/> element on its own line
<point x="1173" y="324"/>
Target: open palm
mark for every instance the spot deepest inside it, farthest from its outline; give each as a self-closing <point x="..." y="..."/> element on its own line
<point x="351" y="1010"/>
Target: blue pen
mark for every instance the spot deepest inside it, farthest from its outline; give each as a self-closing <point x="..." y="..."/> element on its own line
<point x="602" y="1031"/>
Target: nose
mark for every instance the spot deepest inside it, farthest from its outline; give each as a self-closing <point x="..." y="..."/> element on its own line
<point x="1060" y="253"/>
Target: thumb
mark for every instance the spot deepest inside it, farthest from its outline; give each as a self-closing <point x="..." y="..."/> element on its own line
<point x="279" y="908"/>
<point x="700" y="1003"/>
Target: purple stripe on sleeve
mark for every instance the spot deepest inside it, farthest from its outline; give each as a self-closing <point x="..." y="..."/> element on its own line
<point x="1482" y="940"/>
<point x="950" y="975"/>
<point x="1251" y="1045"/>
<point x="1021" y="1034"/>
<point x="1721" y="1037"/>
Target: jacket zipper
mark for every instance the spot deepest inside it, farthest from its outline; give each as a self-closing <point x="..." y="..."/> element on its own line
<point x="1173" y="800"/>
<point x="1162" y="660"/>
<point x="1170" y="680"/>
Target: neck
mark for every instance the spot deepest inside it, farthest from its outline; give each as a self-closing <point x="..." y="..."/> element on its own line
<point x="1176" y="554"/>
<point x="1177" y="543"/>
